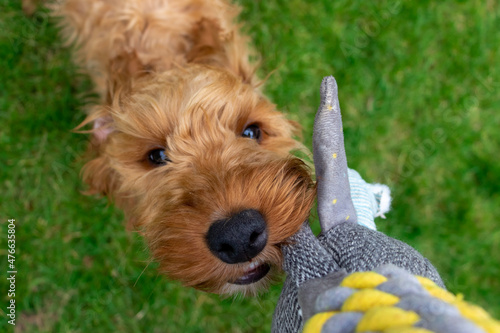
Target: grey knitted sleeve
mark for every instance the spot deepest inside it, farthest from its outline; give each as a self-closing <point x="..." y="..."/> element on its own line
<point x="305" y="258"/>
<point x="356" y="248"/>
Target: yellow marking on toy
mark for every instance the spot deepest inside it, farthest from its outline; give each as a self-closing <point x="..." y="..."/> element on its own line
<point x="362" y="280"/>
<point x="367" y="299"/>
<point x="383" y="318"/>
<point x="316" y="322"/>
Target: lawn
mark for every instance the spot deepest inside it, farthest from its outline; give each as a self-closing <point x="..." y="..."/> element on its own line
<point x="420" y="95"/>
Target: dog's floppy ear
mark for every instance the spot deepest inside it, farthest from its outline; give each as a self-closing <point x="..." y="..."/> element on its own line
<point x="225" y="48"/>
<point x="98" y="173"/>
<point x="100" y="116"/>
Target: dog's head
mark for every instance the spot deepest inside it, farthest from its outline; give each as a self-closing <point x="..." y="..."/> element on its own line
<point x="200" y="162"/>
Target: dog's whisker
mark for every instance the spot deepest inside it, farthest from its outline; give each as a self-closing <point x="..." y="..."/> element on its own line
<point x="149" y="263"/>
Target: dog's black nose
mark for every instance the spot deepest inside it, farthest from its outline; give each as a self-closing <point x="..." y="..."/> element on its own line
<point x="238" y="238"/>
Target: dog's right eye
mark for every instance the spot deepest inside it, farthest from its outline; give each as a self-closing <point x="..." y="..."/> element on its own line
<point x="157" y="157"/>
<point x="253" y="132"/>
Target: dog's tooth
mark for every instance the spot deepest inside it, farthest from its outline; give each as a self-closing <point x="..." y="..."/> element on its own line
<point x="252" y="265"/>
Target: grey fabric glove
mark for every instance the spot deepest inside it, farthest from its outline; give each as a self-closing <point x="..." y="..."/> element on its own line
<point x="343" y="246"/>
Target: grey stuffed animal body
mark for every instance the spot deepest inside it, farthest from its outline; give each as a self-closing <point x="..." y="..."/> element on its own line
<point x="343" y="246"/>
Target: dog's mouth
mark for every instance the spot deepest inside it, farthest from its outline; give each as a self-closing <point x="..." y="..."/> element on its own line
<point x="254" y="273"/>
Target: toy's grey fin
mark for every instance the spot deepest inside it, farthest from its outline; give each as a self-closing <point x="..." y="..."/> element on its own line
<point x="335" y="205"/>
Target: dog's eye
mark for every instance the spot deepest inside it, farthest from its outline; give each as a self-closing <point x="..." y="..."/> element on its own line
<point x="252" y="132"/>
<point x="157" y="157"/>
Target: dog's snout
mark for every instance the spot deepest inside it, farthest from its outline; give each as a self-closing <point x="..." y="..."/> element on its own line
<point x="239" y="238"/>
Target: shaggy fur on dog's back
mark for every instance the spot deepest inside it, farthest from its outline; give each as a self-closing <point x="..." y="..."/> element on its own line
<point x="183" y="138"/>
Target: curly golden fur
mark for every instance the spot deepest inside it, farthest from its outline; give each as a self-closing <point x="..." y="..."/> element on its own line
<point x="174" y="76"/>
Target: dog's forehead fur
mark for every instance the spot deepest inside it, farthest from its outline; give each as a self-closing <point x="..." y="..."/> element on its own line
<point x="200" y="104"/>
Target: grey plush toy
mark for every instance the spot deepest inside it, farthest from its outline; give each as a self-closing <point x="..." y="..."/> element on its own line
<point x="316" y="266"/>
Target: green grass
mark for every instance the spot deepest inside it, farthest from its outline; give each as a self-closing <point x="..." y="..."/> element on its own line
<point x="420" y="93"/>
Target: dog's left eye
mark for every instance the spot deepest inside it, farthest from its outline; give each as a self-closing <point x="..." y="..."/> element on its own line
<point x="158" y="157"/>
<point x="252" y="132"/>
